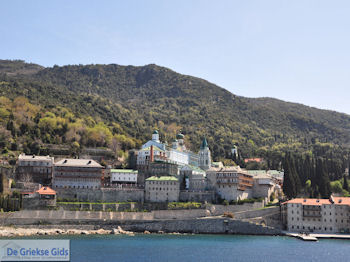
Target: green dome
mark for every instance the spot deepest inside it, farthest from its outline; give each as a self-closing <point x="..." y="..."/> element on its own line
<point x="204" y="144"/>
<point x="155" y="132"/>
<point x="180" y="136"/>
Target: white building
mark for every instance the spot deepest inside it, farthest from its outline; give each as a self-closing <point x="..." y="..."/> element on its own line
<point x="176" y="153"/>
<point x="162" y="189"/>
<point x="144" y="155"/>
<point x="77" y="173"/>
<point x="123" y="176"/>
<point x="317" y="215"/>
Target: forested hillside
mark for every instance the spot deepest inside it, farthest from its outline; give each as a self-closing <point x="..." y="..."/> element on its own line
<point x="119" y="106"/>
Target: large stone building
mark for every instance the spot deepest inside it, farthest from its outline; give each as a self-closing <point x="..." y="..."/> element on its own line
<point x="78" y="174"/>
<point x="35" y="169"/>
<point x="230" y="183"/>
<point x="264" y="185"/>
<point x="194" y="178"/>
<point x="317" y="215"/>
<point x="162" y="189"/>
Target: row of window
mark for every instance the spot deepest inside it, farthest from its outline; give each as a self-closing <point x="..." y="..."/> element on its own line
<point x="34" y="163"/>
<point x="318" y="213"/>
<point x="312" y="228"/>
<point x="162" y="183"/>
<point x="160" y="189"/>
<point x="316" y="207"/>
<point x="226" y="175"/>
<point x="78" y="187"/>
<point x="325" y="220"/>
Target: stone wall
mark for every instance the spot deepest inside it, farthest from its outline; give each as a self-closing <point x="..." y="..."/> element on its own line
<point x="257" y="213"/>
<point x="204" y="226"/>
<point x="62" y="216"/>
<point x="217" y="210"/>
<point x="101" y="207"/>
<point x="180" y="214"/>
<point x="59" y="216"/>
<point x="103" y="194"/>
<point x="187" y="196"/>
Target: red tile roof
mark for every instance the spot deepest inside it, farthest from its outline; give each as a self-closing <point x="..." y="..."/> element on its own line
<point x="46" y="191"/>
<point x="319" y="202"/>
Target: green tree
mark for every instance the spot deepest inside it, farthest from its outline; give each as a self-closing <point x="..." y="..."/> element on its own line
<point x="345" y="183"/>
<point x="324" y="183"/>
<point x="289" y="187"/>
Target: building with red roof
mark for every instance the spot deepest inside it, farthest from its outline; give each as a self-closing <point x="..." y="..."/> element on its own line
<point x="317" y="215"/>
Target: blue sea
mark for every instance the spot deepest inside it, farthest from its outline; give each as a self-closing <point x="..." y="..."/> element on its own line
<point x="185" y="248"/>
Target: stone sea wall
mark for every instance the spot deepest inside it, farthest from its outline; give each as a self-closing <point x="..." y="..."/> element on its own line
<point x="203" y="226"/>
<point x="192" y="226"/>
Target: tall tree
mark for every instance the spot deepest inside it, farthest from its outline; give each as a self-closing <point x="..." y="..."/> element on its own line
<point x="345" y="183"/>
<point x="323" y="178"/>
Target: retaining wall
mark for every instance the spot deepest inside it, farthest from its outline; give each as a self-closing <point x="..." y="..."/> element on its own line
<point x="103" y="194"/>
<point x="217" y="210"/>
<point x="257" y="213"/>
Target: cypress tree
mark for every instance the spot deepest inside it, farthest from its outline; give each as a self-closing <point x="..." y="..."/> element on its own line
<point x="288" y="182"/>
<point x="295" y="173"/>
<point x="323" y="181"/>
<point x="345" y="183"/>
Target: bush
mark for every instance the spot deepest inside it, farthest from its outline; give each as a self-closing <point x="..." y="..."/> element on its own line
<point x="16" y="194"/>
<point x="184" y="205"/>
<point x="229" y="214"/>
<point x="226" y="203"/>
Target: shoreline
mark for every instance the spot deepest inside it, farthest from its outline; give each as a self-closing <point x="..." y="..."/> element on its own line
<point x="13" y="231"/>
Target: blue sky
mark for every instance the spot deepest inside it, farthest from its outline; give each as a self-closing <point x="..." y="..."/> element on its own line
<point x="296" y="50"/>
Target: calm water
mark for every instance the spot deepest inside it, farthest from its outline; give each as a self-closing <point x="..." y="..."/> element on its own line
<point x="204" y="248"/>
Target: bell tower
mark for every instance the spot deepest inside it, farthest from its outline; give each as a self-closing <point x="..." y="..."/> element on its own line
<point x="204" y="156"/>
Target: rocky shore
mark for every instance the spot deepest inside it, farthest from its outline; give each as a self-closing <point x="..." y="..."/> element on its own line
<point x="21" y="232"/>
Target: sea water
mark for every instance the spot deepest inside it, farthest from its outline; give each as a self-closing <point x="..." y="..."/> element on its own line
<point x="183" y="248"/>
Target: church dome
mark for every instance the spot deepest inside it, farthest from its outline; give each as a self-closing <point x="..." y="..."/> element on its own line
<point x="180" y="136"/>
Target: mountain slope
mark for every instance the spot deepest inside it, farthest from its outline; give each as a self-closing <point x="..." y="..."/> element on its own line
<point x="142" y="98"/>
